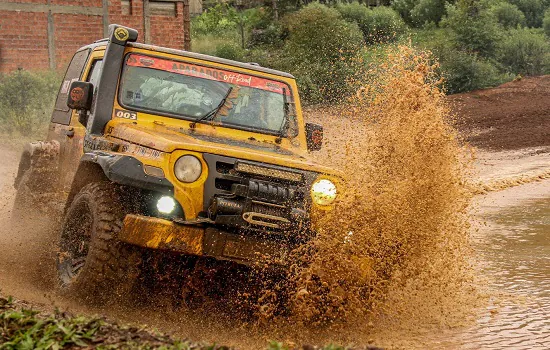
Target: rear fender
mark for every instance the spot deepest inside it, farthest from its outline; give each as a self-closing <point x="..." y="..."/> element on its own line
<point x="41" y="158"/>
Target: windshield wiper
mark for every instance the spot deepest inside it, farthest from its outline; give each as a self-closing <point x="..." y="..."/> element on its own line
<point x="210" y="115"/>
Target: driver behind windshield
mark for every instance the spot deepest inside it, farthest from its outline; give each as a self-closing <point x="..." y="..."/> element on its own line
<point x="201" y="99"/>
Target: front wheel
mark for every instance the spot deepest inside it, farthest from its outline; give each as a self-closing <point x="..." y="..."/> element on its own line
<point x="92" y="264"/>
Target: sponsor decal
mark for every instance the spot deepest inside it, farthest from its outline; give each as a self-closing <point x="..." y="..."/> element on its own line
<point x="77" y="93"/>
<point x="136" y="60"/>
<point x="141" y="151"/>
<point x="65" y="86"/>
<point x="317" y="137"/>
<point x="119" y="113"/>
<point x="122" y="34"/>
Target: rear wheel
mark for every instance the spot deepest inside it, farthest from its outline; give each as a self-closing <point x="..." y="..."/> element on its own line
<point x="92" y="264"/>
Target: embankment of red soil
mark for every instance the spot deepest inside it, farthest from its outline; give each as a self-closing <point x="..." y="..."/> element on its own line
<point x="512" y="116"/>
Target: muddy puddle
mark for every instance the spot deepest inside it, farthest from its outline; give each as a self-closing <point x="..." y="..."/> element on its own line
<point x="512" y="249"/>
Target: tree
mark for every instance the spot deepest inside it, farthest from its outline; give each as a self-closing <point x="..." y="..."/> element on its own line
<point x="476" y="27"/>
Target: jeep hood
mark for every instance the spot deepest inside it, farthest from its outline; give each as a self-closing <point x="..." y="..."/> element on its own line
<point x="165" y="139"/>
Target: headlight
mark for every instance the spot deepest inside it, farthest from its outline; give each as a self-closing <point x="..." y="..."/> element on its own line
<point x="188" y="168"/>
<point x="323" y="192"/>
<point x="166" y="205"/>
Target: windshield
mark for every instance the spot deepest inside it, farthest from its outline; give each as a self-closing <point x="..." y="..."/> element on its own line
<point x="199" y="93"/>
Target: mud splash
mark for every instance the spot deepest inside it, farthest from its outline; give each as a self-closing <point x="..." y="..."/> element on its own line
<point x="394" y="249"/>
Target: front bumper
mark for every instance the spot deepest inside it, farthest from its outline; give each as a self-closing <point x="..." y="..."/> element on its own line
<point x="162" y="234"/>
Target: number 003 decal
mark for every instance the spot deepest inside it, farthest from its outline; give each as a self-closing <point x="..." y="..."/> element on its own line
<point x="119" y="113"/>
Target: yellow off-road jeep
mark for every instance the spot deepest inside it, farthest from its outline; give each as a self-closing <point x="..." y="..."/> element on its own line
<point x="160" y="149"/>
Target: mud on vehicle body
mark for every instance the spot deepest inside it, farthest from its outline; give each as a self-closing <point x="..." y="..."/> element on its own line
<point x="174" y="151"/>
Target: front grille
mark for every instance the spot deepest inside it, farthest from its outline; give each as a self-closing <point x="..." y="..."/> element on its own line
<point x="257" y="195"/>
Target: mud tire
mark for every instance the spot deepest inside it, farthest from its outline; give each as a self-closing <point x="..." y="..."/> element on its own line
<point x="109" y="269"/>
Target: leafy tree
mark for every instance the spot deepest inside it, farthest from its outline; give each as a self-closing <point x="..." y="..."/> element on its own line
<point x="509" y="15"/>
<point x="462" y="70"/>
<point x="533" y="11"/>
<point x="419" y="12"/>
<point x="428" y="11"/>
<point x="404" y="8"/>
<point x="380" y="24"/>
<point x="476" y="28"/>
<point x="216" y="20"/>
<point x="323" y="51"/>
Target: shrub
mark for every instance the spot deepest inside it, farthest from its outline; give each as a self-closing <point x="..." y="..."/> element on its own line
<point x="404" y="8"/>
<point x="462" y="71"/>
<point x="509" y="15"/>
<point x="476" y="28"/>
<point x="271" y="35"/>
<point x="381" y="24"/>
<point x="219" y="19"/>
<point x="533" y="11"/>
<point x="466" y="72"/>
<point x="428" y="11"/>
<point x="525" y="52"/>
<point x="26" y="100"/>
<point x="419" y="12"/>
<point x="230" y="51"/>
<point x="323" y="52"/>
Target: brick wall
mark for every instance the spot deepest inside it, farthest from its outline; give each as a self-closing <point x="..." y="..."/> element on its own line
<point x="43" y="34"/>
<point x="23" y="41"/>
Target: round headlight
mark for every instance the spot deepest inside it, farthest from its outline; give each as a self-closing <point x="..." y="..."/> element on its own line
<point x="188" y="168"/>
<point x="323" y="192"/>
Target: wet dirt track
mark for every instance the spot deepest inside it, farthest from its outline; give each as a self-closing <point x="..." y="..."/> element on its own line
<point x="512" y="252"/>
<point x="511" y="239"/>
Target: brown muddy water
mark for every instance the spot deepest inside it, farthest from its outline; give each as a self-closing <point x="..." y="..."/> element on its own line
<point x="512" y="248"/>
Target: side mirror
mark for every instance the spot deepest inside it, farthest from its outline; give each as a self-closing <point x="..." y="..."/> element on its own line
<point x="80" y="95"/>
<point x="314" y="136"/>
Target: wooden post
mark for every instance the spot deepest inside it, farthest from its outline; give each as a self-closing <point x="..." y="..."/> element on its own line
<point x="105" y="7"/>
<point x="146" y="22"/>
<point x="186" y="26"/>
<point x="51" y="38"/>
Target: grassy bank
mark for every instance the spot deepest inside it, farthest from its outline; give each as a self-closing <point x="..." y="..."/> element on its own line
<point x="22" y="327"/>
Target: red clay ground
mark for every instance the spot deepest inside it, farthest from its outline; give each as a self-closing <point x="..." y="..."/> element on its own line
<point x="511" y="116"/>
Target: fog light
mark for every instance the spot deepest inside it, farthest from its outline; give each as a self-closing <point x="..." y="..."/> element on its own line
<point x="166" y="205"/>
<point x="323" y="192"/>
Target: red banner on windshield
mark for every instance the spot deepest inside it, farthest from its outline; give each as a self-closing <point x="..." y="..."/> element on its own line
<point x="189" y="69"/>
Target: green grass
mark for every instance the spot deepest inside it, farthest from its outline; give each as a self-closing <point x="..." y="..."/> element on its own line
<point x="207" y="44"/>
<point x="23" y="328"/>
